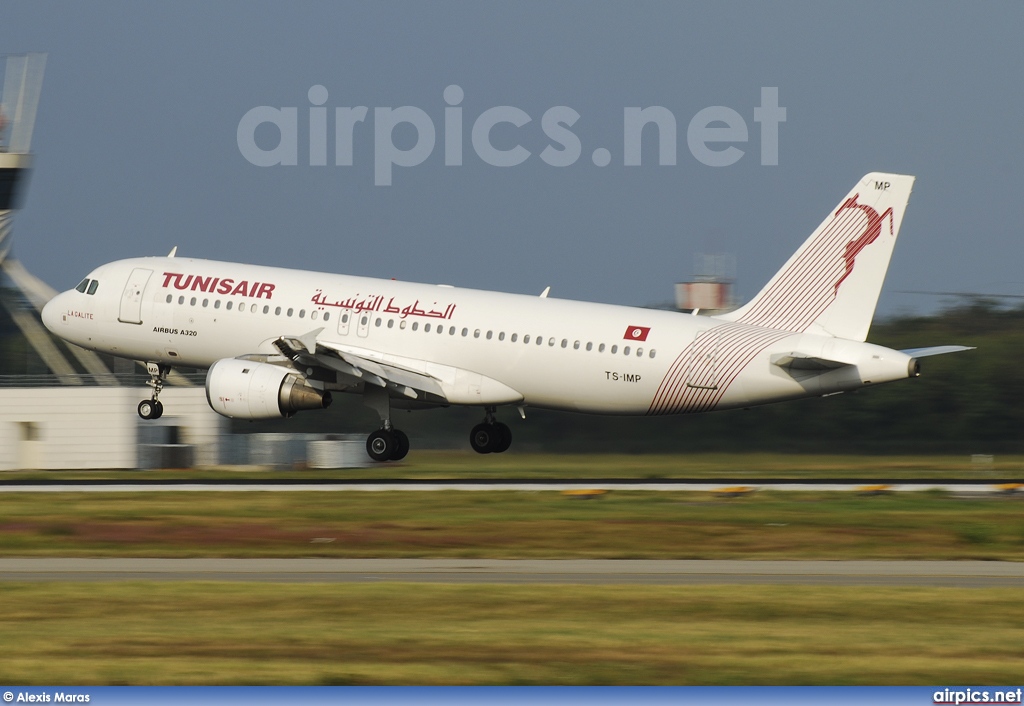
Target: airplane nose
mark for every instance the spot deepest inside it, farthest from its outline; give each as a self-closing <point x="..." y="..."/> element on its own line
<point x="51" y="313"/>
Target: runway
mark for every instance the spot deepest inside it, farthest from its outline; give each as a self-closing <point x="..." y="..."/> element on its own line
<point x="1001" y="487"/>
<point x="970" y="574"/>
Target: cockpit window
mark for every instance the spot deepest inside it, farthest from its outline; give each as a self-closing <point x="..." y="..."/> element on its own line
<point x="82" y="285"/>
<point x="92" y="286"/>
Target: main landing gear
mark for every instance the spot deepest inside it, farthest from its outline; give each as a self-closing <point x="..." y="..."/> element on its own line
<point x="153" y="408"/>
<point x="387" y="443"/>
<point x="491" y="436"/>
<point x="391" y="444"/>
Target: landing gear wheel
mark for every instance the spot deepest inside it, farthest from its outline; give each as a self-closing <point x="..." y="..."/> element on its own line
<point x="150" y="409"/>
<point x="484" y="438"/>
<point x="504" y="435"/>
<point x="381" y="445"/>
<point x="401" y="445"/>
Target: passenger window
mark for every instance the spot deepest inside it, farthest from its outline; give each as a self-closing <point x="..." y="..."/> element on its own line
<point x="391" y="323"/>
<point x="600" y="348"/>
<point x="476" y="334"/>
<point x="625" y="351"/>
<point x="501" y="336"/>
<point x="576" y="345"/>
<point x="451" y="331"/>
<point x="415" y="325"/>
<point x="526" y="338"/>
<point x="313" y="314"/>
<point x="401" y="325"/>
<point x="92" y="286"/>
<point x="514" y="335"/>
<point x="277" y="311"/>
<point x="590" y="346"/>
<point x="82" y="286"/>
<point x="540" y="340"/>
<point x="302" y="313"/>
<point x="344" y="317"/>
<point x="377" y="322"/>
<point x="206" y="303"/>
<point x="192" y="302"/>
<point x="465" y="332"/>
<point x="228" y="306"/>
<point x="639" y="352"/>
<point x="440" y="329"/>
<point x="564" y="343"/>
<point x="266" y="309"/>
<point x="652" y="353"/>
<point x="327" y="315"/>
<point x="426" y="327"/>
<point x="181" y="300"/>
<point x="615" y="349"/>
<point x="489" y="334"/>
<point x="290" y="311"/>
<point x="216" y="304"/>
<point x="169" y="298"/>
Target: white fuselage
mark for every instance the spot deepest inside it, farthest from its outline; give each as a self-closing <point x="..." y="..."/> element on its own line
<point x="552" y="353"/>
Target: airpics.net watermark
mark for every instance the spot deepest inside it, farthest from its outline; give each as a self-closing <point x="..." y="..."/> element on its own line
<point x="712" y="134"/>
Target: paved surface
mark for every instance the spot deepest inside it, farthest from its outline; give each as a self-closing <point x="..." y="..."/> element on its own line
<point x="990" y="488"/>
<point x="583" y="571"/>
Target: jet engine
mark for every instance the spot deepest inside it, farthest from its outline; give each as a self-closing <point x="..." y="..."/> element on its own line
<point x="244" y="389"/>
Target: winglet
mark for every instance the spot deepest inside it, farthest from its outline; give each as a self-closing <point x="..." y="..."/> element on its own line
<point x="173" y="252"/>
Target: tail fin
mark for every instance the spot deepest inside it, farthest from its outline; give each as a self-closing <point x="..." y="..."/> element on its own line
<point x="831" y="284"/>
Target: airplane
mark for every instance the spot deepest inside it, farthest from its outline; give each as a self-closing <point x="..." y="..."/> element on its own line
<point x="277" y="341"/>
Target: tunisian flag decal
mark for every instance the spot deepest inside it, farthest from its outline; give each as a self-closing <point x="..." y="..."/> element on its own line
<point x="637" y="333"/>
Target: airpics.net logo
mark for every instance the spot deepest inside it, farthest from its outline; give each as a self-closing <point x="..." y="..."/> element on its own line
<point x="716" y="136"/>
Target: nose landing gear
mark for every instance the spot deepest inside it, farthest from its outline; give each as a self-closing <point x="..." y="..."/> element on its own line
<point x="153" y="408"/>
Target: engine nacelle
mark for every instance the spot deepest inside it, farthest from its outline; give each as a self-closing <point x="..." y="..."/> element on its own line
<point x="244" y="389"/>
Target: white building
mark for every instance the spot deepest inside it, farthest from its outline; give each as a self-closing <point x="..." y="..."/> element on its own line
<point x="55" y="428"/>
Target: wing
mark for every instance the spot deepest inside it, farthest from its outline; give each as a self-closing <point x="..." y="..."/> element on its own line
<point x="411" y="378"/>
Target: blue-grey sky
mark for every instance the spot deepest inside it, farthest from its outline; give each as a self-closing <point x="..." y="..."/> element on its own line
<point x="137" y="138"/>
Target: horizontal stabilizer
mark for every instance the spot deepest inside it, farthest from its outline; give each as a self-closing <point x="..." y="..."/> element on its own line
<point x="935" y="350"/>
<point x="801" y="361"/>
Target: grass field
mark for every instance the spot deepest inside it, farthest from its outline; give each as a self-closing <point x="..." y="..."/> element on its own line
<point x="243" y="633"/>
<point x="502" y="524"/>
<point x="217" y="633"/>
<point x="425" y="465"/>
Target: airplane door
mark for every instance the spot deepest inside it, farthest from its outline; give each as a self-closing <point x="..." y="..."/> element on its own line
<point x="131" y="299"/>
<point x="364" y="324"/>
<point x="343" y="322"/>
<point x="702" y="364"/>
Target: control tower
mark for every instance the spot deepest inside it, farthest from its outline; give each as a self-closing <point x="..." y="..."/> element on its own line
<point x="23" y="295"/>
<point x="19" y="98"/>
